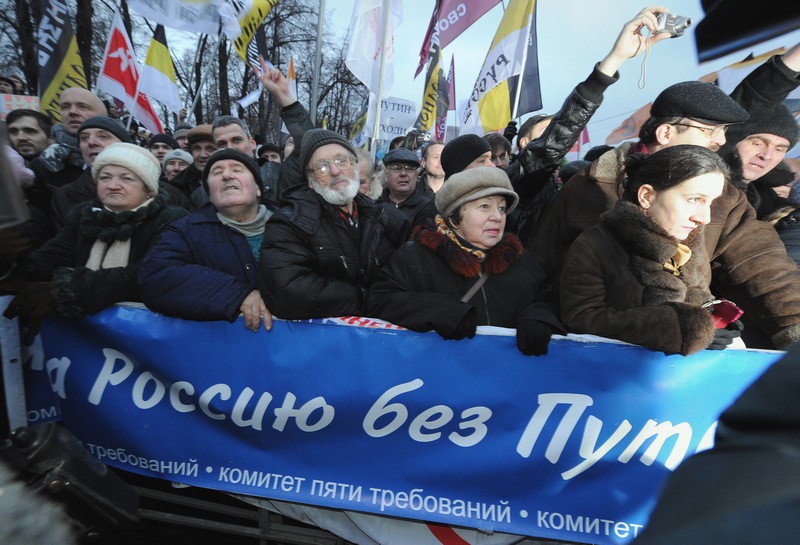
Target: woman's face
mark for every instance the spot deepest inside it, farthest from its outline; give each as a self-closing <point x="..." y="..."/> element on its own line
<point x="682" y="208"/>
<point x="119" y="189"/>
<point x="483" y="221"/>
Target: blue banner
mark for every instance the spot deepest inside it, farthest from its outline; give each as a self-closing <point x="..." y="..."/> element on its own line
<point x="571" y="446"/>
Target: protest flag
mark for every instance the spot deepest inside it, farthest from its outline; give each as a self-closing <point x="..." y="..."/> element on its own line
<point x="490" y="104"/>
<point x="435" y="86"/>
<point x="451" y="84"/>
<point x="193" y="15"/>
<point x="582" y="140"/>
<point x="365" y="50"/>
<point x="60" y="65"/>
<point x="448" y="103"/>
<point x="241" y="20"/>
<point x="451" y="19"/>
<point x="158" y="74"/>
<point x="119" y="77"/>
<point x="630" y="126"/>
<point x="524" y="89"/>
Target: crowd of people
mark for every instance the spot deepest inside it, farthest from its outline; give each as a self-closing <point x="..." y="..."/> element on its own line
<point x="682" y="241"/>
<point x="639" y="242"/>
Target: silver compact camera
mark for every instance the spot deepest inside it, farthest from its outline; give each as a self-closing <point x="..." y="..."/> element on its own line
<point x="675" y="25"/>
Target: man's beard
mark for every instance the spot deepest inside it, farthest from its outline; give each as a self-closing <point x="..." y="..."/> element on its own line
<point x="337" y="197"/>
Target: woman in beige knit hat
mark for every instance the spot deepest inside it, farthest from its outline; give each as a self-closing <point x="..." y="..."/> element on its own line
<point x="93" y="261"/>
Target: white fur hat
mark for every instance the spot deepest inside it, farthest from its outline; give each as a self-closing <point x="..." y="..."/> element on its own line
<point x="135" y="158"/>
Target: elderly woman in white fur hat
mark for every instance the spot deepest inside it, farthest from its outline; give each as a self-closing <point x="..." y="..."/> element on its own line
<point x="92" y="262"/>
<point x="467" y="271"/>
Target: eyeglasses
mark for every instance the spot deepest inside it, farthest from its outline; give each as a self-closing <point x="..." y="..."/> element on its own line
<point x="323" y="168"/>
<point x="397" y="167"/>
<point x="712" y="131"/>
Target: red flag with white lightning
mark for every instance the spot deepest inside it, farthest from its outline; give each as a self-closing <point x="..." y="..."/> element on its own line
<point x="119" y="77"/>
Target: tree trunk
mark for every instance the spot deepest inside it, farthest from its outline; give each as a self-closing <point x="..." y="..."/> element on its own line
<point x="27" y="13"/>
<point x="198" y="80"/>
<point x="83" y="35"/>
<point x="224" y="94"/>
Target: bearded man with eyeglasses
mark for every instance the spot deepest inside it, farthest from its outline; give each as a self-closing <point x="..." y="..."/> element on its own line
<point x="324" y="247"/>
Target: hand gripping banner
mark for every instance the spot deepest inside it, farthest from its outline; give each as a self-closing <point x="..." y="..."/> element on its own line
<point x="379" y="420"/>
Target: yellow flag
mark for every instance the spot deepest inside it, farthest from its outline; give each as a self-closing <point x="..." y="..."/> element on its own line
<point x="489" y="105"/>
<point x="60" y="64"/>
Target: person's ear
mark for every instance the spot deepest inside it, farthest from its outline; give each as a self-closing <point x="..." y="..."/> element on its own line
<point x="646" y="195"/>
<point x="664" y="133"/>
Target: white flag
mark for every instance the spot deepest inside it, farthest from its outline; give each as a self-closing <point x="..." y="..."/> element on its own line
<point x="192" y="15"/>
<point x="364" y="53"/>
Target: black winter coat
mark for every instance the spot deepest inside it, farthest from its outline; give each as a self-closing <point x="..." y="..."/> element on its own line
<point x="422" y="286"/>
<point x="79" y="291"/>
<point x="313" y="265"/>
<point x="419" y="207"/>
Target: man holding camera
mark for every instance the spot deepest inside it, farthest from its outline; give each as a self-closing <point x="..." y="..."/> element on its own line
<point x="748" y="261"/>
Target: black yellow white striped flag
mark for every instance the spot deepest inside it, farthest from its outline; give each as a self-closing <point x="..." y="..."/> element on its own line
<point x="157" y="79"/>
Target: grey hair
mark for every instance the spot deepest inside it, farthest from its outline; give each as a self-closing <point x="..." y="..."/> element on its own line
<point x="225" y="120"/>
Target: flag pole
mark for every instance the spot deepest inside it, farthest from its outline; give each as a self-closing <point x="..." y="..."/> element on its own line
<point x="455" y="99"/>
<point x="521" y="76"/>
<point x="108" y="45"/>
<point x="317" y="61"/>
<point x="376" y="128"/>
<point x="194" y="62"/>
<point x="190" y="113"/>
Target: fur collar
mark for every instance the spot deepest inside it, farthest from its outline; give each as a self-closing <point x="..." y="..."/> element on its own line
<point x="650" y="247"/>
<point x="498" y="259"/>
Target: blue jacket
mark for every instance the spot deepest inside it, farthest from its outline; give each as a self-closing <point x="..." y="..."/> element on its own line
<point x="199" y="269"/>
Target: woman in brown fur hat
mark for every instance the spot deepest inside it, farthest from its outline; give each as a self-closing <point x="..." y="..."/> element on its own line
<point x="466" y="271"/>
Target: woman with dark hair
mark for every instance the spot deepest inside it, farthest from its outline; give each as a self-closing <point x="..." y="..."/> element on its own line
<point x="467" y="271"/>
<point x="642" y="274"/>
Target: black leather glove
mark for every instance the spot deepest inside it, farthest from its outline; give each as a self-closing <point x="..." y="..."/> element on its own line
<point x="510" y="131"/>
<point x="33" y="304"/>
<point x="533" y="337"/>
<point x="723" y="337"/>
<point x="465" y="329"/>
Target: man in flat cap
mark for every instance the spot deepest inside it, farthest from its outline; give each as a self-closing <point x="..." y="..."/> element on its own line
<point x="402" y="191"/>
<point x="324" y="247"/>
<point x="189" y="180"/>
<point x="742" y="249"/>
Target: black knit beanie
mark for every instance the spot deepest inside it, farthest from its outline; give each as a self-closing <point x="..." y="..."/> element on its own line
<point x="778" y="121"/>
<point x="461" y="151"/>
<point x="164" y="139"/>
<point x="107" y="124"/>
<point x="316" y="138"/>
<point x="236" y="155"/>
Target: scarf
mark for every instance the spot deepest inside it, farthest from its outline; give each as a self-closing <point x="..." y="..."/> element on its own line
<point x="443" y="227"/>
<point x="250" y="228"/>
<point x="681" y="257"/>
<point x="116" y="254"/>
